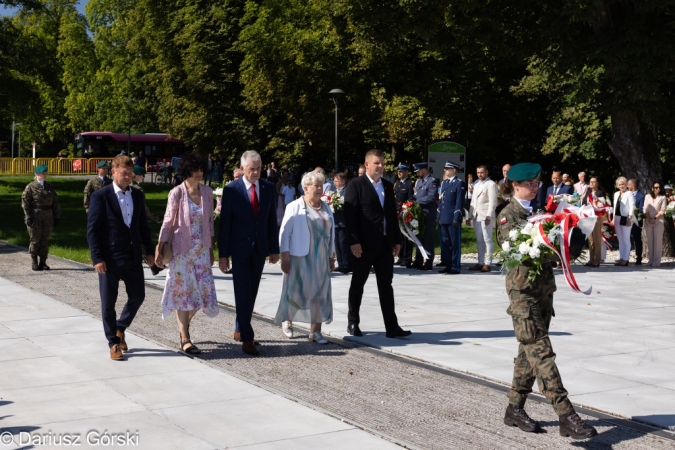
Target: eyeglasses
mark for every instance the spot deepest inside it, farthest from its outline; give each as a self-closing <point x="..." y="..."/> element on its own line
<point x="529" y="184"/>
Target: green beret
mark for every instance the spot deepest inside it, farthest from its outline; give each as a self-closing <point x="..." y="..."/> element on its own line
<point x="524" y="171"/>
<point x="41" y="168"/>
<point x="102" y="164"/>
<point x="138" y="170"/>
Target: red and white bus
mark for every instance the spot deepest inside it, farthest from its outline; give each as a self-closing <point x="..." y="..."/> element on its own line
<point x="104" y="144"/>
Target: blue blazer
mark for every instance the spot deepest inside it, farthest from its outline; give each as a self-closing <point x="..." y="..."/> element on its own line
<point x="564" y="189"/>
<point x="240" y="230"/>
<point x="451" y="204"/>
<point x="109" y="239"/>
<point x="639" y="201"/>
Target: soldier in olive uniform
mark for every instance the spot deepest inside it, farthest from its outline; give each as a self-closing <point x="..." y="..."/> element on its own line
<point x="403" y="190"/>
<point x="426" y="195"/>
<point x="41" y="210"/>
<point x="531" y="309"/>
<point x="97" y="183"/>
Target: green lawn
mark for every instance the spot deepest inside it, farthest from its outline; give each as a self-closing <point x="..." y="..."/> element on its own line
<point x="69" y="238"/>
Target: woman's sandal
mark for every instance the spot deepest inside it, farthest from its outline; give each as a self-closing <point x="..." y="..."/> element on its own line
<point x="191" y="350"/>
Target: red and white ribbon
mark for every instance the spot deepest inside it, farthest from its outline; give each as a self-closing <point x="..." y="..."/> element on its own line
<point x="408" y="233"/>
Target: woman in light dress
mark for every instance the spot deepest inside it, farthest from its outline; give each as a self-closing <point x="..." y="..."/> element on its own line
<point x="655" y="210"/>
<point x="188" y="225"/>
<point x="307" y="244"/>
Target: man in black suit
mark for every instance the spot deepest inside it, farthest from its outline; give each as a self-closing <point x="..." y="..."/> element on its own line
<point x="403" y="190"/>
<point x="119" y="236"/>
<point x="374" y="237"/>
<point x="341" y="239"/>
<point x="248" y="233"/>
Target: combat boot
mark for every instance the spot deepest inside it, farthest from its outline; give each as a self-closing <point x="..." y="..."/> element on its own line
<point x="43" y="263"/>
<point x="35" y="266"/>
<point x="517" y="417"/>
<point x="573" y="426"/>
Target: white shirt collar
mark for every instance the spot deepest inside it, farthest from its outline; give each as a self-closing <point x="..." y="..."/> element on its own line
<point x="452" y="177"/>
<point x="371" y="180"/>
<point x="248" y="184"/>
<point x="118" y="189"/>
<point x="403" y="179"/>
<point x="526" y="204"/>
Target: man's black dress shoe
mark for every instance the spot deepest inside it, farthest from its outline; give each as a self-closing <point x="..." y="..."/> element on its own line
<point x="398" y="262"/>
<point x="414" y="266"/>
<point x="354" y="330"/>
<point x="451" y="272"/>
<point x="398" y="333"/>
<point x="426" y="267"/>
<point x="441" y="264"/>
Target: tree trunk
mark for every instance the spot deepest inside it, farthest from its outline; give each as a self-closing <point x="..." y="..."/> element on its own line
<point x="635" y="148"/>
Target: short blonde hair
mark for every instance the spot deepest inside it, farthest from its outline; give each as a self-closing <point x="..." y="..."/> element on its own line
<point x="122" y="160"/>
<point x="620" y="180"/>
<point x="311" y="178"/>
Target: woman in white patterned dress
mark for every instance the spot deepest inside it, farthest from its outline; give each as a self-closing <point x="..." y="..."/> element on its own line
<point x="188" y="225"/>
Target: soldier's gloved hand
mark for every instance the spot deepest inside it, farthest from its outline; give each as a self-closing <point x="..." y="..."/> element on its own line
<point x="455" y="224"/>
<point x="56" y="222"/>
<point x="29" y="222"/>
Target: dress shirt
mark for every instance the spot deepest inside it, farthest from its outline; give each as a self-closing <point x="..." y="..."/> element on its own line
<point x="126" y="203"/>
<point x="248" y="185"/>
<point x="556" y="188"/>
<point x="42" y="183"/>
<point x="379" y="189"/>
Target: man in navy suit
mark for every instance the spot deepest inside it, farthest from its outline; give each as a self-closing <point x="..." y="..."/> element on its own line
<point x="451" y="213"/>
<point x="636" y="230"/>
<point x="248" y="233"/>
<point x="558" y="187"/>
<point x="119" y="236"/>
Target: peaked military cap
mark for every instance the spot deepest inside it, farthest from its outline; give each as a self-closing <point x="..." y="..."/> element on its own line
<point x="102" y="164"/>
<point x="402" y="166"/>
<point x="524" y="171"/>
<point x="139" y="170"/>
<point x="421" y="165"/>
<point x="42" y="168"/>
<point x="450" y="165"/>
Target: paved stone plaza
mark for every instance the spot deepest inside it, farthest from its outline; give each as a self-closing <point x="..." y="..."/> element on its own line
<point x="615" y="347"/>
<point x="58" y="378"/>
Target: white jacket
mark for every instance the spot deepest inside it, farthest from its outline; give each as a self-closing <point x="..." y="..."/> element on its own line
<point x="627" y="206"/>
<point x="483" y="201"/>
<point x="294" y="232"/>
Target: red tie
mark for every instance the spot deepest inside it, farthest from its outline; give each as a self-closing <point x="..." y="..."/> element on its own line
<point x="254" y="200"/>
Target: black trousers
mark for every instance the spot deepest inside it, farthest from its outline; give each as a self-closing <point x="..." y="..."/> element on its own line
<point x="636" y="235"/>
<point x="342" y="247"/>
<point x="246" y="275"/>
<point x="108" y="284"/>
<point x="383" y="262"/>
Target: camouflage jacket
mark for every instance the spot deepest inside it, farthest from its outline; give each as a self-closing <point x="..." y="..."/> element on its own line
<point x="92" y="186"/>
<point x="38" y="200"/>
<point x="508" y="219"/>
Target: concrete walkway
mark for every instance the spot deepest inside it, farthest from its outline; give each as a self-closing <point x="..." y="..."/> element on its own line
<point x="58" y="383"/>
<point x="616" y="347"/>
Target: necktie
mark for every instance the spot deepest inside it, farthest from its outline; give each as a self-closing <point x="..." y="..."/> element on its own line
<point x="254" y="200"/>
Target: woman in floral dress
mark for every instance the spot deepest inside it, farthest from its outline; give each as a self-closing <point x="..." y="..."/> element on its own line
<point x="188" y="225"/>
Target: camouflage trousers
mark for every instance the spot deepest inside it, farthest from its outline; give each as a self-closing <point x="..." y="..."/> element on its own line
<point x="39" y="235"/>
<point x="531" y="313"/>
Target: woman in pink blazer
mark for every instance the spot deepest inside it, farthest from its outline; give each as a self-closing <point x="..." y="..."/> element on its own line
<point x="188" y="225"/>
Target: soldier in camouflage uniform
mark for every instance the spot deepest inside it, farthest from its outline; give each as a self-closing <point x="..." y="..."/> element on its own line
<point x="531" y="309"/>
<point x="97" y="183"/>
<point x="41" y="211"/>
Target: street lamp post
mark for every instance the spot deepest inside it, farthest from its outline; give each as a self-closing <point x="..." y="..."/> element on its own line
<point x="335" y="93"/>
<point x="129" y="102"/>
<point x="13" y="125"/>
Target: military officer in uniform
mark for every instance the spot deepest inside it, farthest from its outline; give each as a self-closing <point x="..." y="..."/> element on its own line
<point x="426" y="194"/>
<point x="451" y="213"/>
<point x="531" y="309"/>
<point x="97" y="183"/>
<point x="403" y="190"/>
<point x="41" y="211"/>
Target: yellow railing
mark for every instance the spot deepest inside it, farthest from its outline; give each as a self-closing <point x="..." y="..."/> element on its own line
<point x="55" y="166"/>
